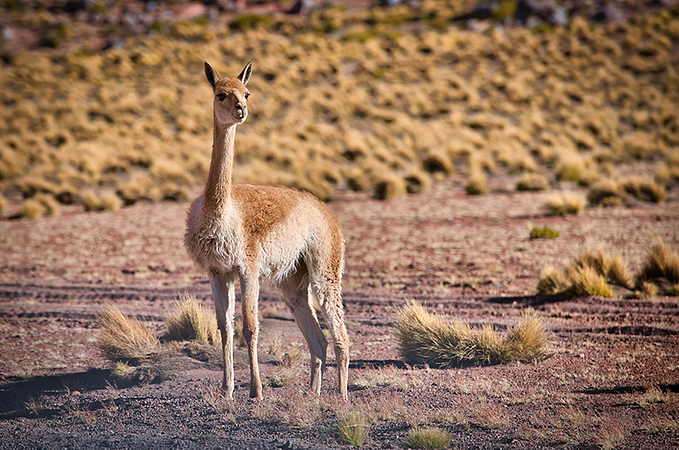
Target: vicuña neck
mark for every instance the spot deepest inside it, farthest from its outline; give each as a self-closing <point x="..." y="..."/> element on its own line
<point x="217" y="195"/>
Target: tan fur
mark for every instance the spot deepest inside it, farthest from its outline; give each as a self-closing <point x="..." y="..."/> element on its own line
<point x="253" y="233"/>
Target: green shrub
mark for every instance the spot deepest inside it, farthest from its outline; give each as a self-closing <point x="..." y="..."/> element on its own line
<point x="544" y="232"/>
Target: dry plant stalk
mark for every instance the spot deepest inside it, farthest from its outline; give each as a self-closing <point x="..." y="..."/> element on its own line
<point x="425" y="338"/>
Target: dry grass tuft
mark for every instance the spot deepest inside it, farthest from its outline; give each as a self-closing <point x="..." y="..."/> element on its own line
<point x="661" y="262"/>
<point x="191" y="321"/>
<point x="3" y="203"/>
<point x="610" y="436"/>
<point x="92" y="202"/>
<point x="612" y="265"/>
<point x="389" y="187"/>
<point x="32" y="209"/>
<point x="563" y="203"/>
<point x="427" y="438"/>
<point x="647" y="290"/>
<point x="424" y="338"/>
<point x="532" y="182"/>
<point x="38" y="206"/>
<point x="552" y="281"/>
<point x="292" y="357"/>
<point x="122" y="370"/>
<point x="606" y="193"/>
<point x="586" y="281"/>
<point x="218" y="401"/>
<point x="352" y="429"/>
<point x="645" y="190"/>
<point x="124" y="338"/>
<point x="477" y="183"/>
<point x="281" y="378"/>
<point x="587" y="274"/>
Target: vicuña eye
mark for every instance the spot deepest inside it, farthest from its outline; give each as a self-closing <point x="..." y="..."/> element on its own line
<point x="221" y="97"/>
<point x="247" y="96"/>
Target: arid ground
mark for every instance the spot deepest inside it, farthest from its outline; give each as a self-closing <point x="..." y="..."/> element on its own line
<point x="611" y="380"/>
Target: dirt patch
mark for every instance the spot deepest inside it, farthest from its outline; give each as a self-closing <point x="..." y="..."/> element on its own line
<point x="611" y="377"/>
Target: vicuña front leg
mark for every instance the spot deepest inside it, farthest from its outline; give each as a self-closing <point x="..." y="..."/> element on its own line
<point x="223" y="294"/>
<point x="250" y="290"/>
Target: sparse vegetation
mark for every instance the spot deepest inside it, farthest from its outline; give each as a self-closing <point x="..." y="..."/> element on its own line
<point x="544" y="232"/>
<point x="564" y="203"/>
<point x="424" y="338"/>
<point x="477" y="183"/>
<point x="352" y="429"/>
<point x="281" y="378"/>
<point x="661" y="262"/>
<point x="427" y="438"/>
<point x="589" y="273"/>
<point x="125" y="339"/>
<point x="532" y="182"/>
<point x="152" y="142"/>
<point x="189" y="320"/>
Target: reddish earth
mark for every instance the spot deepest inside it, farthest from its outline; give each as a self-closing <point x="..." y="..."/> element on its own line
<point x="612" y="378"/>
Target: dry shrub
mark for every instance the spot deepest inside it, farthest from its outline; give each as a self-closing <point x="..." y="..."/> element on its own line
<point x="564" y="203"/>
<point x="352" y="429"/>
<point x="32" y="209"/>
<point x="191" y="321"/>
<point x="661" y="262"/>
<point x="586" y="281"/>
<point x="606" y="193"/>
<point x="427" y="438"/>
<point x="417" y="183"/>
<point x="532" y="182"/>
<point x="281" y="378"/>
<point x="38" y="206"/>
<point x="645" y="190"/>
<point x="477" y="183"/>
<point x="612" y="265"/>
<point x="3" y="203"/>
<point x="124" y="338"/>
<point x="292" y="357"/>
<point x="389" y="187"/>
<point x="589" y="273"/>
<point x="552" y="281"/>
<point x="110" y="202"/>
<point x="425" y="338"/>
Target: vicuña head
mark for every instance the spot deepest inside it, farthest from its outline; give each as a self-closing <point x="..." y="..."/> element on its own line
<point x="281" y="235"/>
<point x="231" y="95"/>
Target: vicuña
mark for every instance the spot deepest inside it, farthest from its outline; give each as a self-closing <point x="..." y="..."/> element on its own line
<point x="254" y="233"/>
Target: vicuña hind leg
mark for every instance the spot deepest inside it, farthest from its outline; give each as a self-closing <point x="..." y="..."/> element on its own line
<point x="296" y="292"/>
<point x="250" y="290"/>
<point x="329" y="298"/>
<point x="224" y="297"/>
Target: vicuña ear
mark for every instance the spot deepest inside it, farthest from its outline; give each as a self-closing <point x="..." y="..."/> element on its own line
<point x="211" y="75"/>
<point x="245" y="75"/>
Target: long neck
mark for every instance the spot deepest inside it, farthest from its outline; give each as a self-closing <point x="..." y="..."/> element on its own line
<point x="217" y="195"/>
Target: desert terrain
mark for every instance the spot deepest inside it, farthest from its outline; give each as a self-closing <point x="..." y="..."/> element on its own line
<point x="611" y="376"/>
<point x="440" y="137"/>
